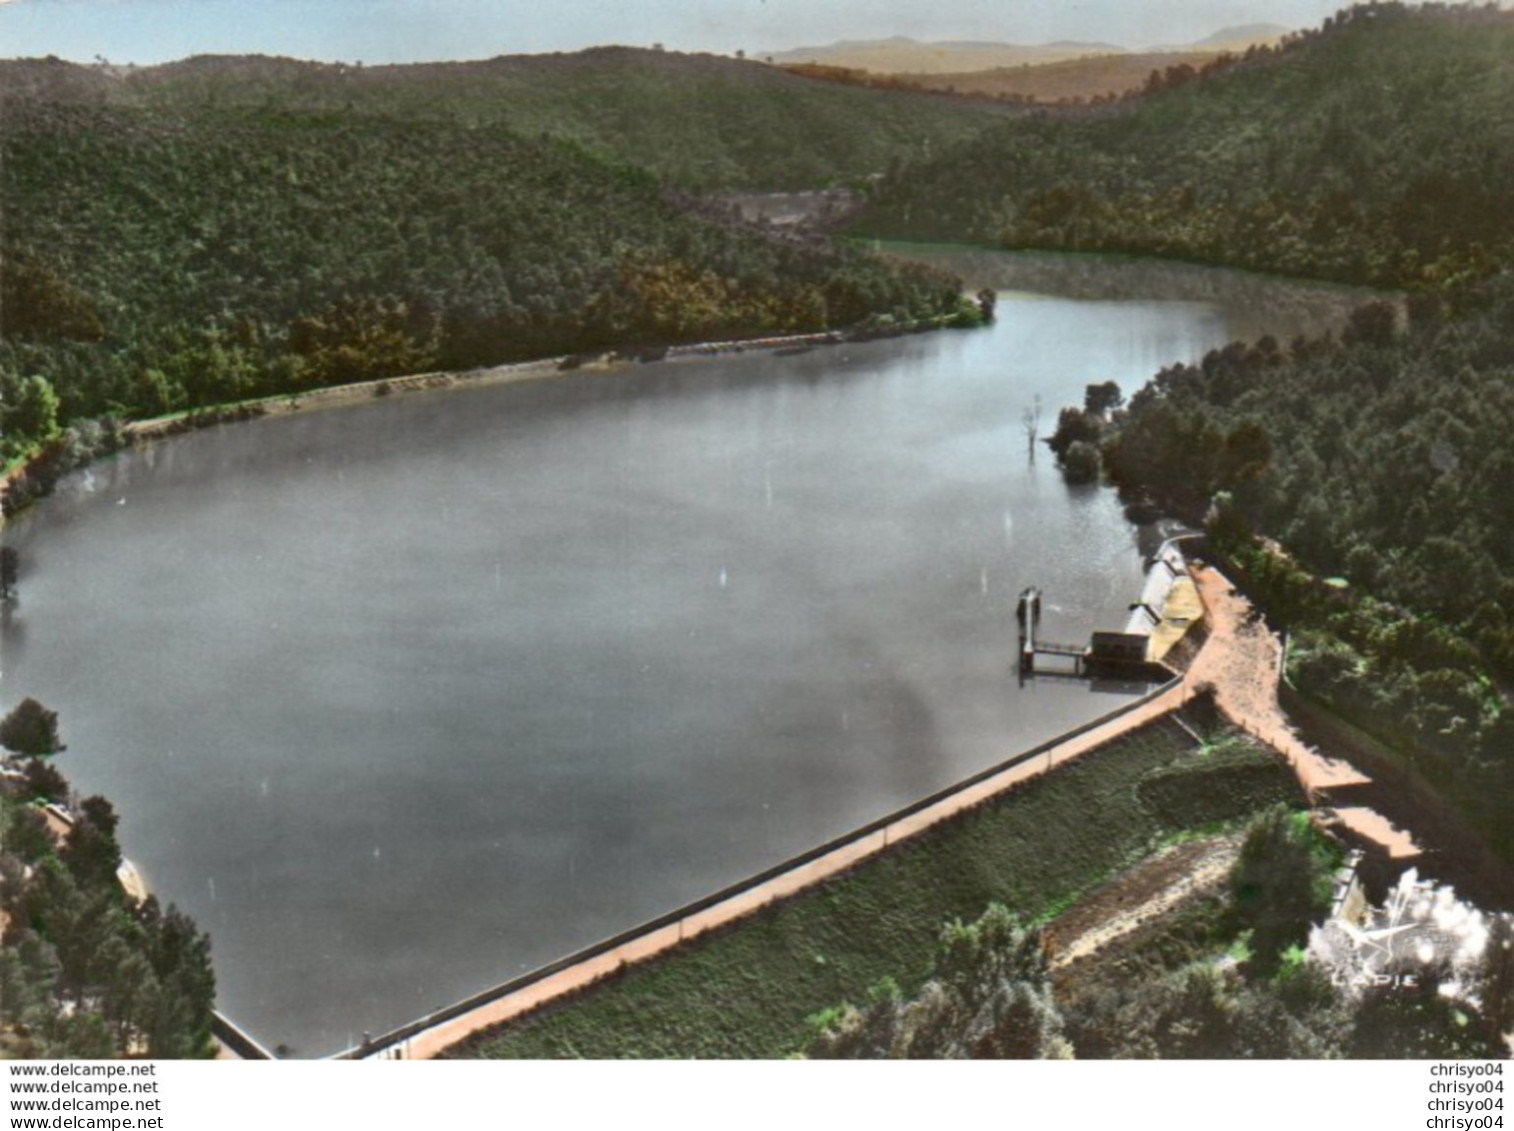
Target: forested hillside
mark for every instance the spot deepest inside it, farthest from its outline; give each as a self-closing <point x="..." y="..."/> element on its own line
<point x="161" y="258"/>
<point x="699" y="121"/>
<point x="1382" y="464"/>
<point x="1378" y="460"/>
<point x="1378" y="150"/>
<point x="86" y="970"/>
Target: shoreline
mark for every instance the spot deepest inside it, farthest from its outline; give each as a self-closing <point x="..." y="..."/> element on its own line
<point x="136" y="433"/>
<point x="612" y="360"/>
<point x="603" y="363"/>
<point x="338" y="396"/>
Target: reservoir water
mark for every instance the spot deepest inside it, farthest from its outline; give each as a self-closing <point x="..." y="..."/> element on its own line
<point x="404" y="699"/>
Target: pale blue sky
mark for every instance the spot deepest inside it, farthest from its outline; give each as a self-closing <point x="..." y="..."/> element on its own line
<point x="377" y="31"/>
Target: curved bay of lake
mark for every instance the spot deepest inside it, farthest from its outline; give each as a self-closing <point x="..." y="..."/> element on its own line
<point x="404" y="699"/>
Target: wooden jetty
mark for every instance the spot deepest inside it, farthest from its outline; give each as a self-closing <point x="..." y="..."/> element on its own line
<point x="1028" y="613"/>
<point x="1031" y="648"/>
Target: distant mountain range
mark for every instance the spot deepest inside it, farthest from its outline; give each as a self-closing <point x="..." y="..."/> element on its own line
<point x="1236" y="38"/>
<point x="902" y="55"/>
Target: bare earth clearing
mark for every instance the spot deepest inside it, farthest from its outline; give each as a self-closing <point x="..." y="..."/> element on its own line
<point x="1142" y="895"/>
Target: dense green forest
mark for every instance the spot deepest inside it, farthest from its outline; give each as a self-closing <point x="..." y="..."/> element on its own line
<point x="1379" y="149"/>
<point x="701" y="122"/>
<point x="221" y="230"/>
<point x="178" y="249"/>
<point x="85" y="971"/>
<point x="1381" y="463"/>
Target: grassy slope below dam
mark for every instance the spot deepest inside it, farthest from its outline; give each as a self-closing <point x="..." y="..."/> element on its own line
<point x="748" y="991"/>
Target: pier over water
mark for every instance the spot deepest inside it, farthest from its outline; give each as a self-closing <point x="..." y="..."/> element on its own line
<point x="1167" y="610"/>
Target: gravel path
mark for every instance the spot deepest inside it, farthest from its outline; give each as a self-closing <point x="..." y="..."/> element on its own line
<point x="1153" y="888"/>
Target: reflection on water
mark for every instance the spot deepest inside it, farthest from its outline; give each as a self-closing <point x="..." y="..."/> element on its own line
<point x="405" y="699"/>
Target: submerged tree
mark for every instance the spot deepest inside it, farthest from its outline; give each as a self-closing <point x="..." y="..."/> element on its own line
<point x="31" y="729"/>
<point x="1102" y="399"/>
<point x="10" y="570"/>
<point x="1030" y="420"/>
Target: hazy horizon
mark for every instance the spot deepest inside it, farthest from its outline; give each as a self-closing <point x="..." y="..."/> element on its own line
<point x="146" y="32"/>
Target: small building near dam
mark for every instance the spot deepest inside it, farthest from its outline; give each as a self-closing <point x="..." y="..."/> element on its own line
<point x="1169" y="606"/>
<point x="1168" y="609"/>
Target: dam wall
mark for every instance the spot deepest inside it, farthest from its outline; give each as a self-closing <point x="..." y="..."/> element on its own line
<point x="428" y="1035"/>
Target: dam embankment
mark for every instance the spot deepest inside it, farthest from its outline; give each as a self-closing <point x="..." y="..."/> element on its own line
<point x="427" y="1036"/>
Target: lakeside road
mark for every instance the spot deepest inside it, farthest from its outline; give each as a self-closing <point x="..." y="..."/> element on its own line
<point x="540" y="369"/>
<point x="160" y="428"/>
<point x="339" y="396"/>
<point x="1244" y="662"/>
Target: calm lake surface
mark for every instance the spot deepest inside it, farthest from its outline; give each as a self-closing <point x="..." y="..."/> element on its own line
<point x="405" y="699"/>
